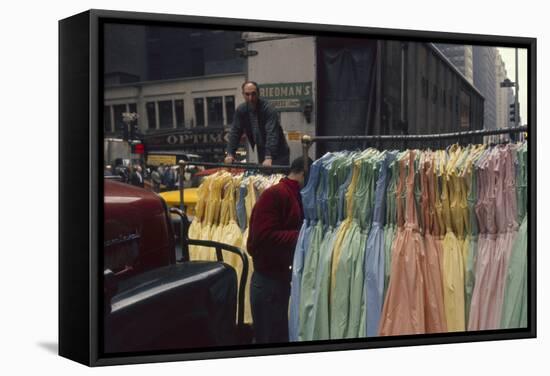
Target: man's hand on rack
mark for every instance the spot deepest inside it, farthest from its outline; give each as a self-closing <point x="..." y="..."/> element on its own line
<point x="267" y="162"/>
<point x="229" y="159"/>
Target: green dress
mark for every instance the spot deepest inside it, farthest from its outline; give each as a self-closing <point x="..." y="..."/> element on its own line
<point x="391" y="219"/>
<point x="347" y="298"/>
<point x="308" y="286"/>
<point x="514" y="310"/>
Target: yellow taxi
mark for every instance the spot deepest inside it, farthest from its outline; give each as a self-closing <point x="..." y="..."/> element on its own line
<point x="190" y="198"/>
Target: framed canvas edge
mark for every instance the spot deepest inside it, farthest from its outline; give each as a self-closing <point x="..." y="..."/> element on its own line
<point x="97" y="359"/>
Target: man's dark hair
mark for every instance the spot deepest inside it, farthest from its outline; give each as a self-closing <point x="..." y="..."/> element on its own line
<point x="253" y="83"/>
<point x="297" y="165"/>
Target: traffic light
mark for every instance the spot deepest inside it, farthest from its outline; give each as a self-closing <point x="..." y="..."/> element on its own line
<point x="138" y="148"/>
<point x="124" y="131"/>
<point x="133" y="131"/>
<point x="513" y="113"/>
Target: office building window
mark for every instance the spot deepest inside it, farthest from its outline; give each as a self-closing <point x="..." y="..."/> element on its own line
<point x="151" y="115"/>
<point x="197" y="62"/>
<point x="119" y="109"/>
<point x="465" y="105"/>
<point x="215" y="111"/>
<point x="199" y="112"/>
<point x="107" y="126"/>
<point x="132" y="107"/>
<point x="229" y="108"/>
<point x="424" y="87"/>
<point x="166" y="119"/>
<point x="180" y="115"/>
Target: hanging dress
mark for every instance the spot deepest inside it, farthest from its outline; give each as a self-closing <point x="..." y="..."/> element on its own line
<point x="470" y="179"/>
<point x="309" y="284"/>
<point x="391" y="218"/>
<point x="514" y="313"/>
<point x="375" y="267"/>
<point x="453" y="261"/>
<point x="483" y="296"/>
<point x="221" y="214"/>
<point x="434" y="307"/>
<point x="232" y="235"/>
<point x="506" y="222"/>
<point x="195" y="228"/>
<point x="302" y="247"/>
<point x="346" y="246"/>
<point x="403" y="311"/>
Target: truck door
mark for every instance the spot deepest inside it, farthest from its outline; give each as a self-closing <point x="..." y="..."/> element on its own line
<point x="346" y="84"/>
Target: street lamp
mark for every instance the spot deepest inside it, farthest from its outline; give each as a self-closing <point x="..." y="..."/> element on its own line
<point x="507" y="83"/>
<point x="129" y="119"/>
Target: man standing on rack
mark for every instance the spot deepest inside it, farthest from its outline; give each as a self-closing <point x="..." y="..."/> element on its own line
<point x="257" y="118"/>
<point x="274" y="226"/>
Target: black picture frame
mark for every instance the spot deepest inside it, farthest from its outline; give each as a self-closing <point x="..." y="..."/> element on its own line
<point x="80" y="228"/>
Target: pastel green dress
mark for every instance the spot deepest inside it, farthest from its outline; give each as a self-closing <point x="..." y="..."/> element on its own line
<point x="514" y="311"/>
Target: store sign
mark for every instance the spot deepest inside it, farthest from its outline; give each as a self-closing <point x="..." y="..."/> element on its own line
<point x="157" y="160"/>
<point x="196" y="138"/>
<point x="294" y="135"/>
<point x="288" y="97"/>
<point x="208" y="143"/>
<point x="190" y="138"/>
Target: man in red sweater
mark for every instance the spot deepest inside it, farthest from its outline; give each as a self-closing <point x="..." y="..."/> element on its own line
<point x="274" y="226"/>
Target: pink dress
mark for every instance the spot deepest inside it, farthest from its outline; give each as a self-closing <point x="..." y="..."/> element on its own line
<point x="496" y="212"/>
<point x="404" y="311"/>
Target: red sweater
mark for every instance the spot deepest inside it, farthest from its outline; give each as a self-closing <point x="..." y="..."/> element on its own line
<point x="274" y="226"/>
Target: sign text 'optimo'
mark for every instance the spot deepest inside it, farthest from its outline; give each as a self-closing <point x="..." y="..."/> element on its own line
<point x="287" y="96"/>
<point x="197" y="138"/>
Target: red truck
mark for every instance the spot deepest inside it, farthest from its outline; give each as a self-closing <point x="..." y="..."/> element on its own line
<point x="153" y="302"/>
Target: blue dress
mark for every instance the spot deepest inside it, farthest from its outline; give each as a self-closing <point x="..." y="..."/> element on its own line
<point x="375" y="253"/>
<point x="310" y="220"/>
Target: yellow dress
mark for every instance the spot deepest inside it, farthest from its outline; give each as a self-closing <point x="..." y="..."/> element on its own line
<point x="195" y="228"/>
<point x="200" y="220"/>
<point x="232" y="235"/>
<point x="453" y="261"/>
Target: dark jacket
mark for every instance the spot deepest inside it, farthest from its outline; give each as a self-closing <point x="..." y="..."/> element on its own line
<point x="269" y="141"/>
<point x="136" y="179"/>
<point x="274" y="226"/>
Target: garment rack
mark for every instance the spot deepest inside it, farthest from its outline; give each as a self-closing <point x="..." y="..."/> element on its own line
<point x="308" y="140"/>
<point x="245" y="166"/>
<point x="185" y="223"/>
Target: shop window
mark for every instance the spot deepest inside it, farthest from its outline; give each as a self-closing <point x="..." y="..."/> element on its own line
<point x="199" y="112"/>
<point x="119" y="109"/>
<point x="132" y="107"/>
<point x="151" y="115"/>
<point x="166" y="118"/>
<point x="107" y="126"/>
<point x="180" y="115"/>
<point x="229" y="109"/>
<point x="215" y="111"/>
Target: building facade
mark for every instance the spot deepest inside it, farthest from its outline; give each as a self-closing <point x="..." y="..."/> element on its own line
<point x="487" y="70"/>
<point x="461" y="57"/>
<point x="485" y="79"/>
<point x="185" y="103"/>
<point x="505" y="95"/>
